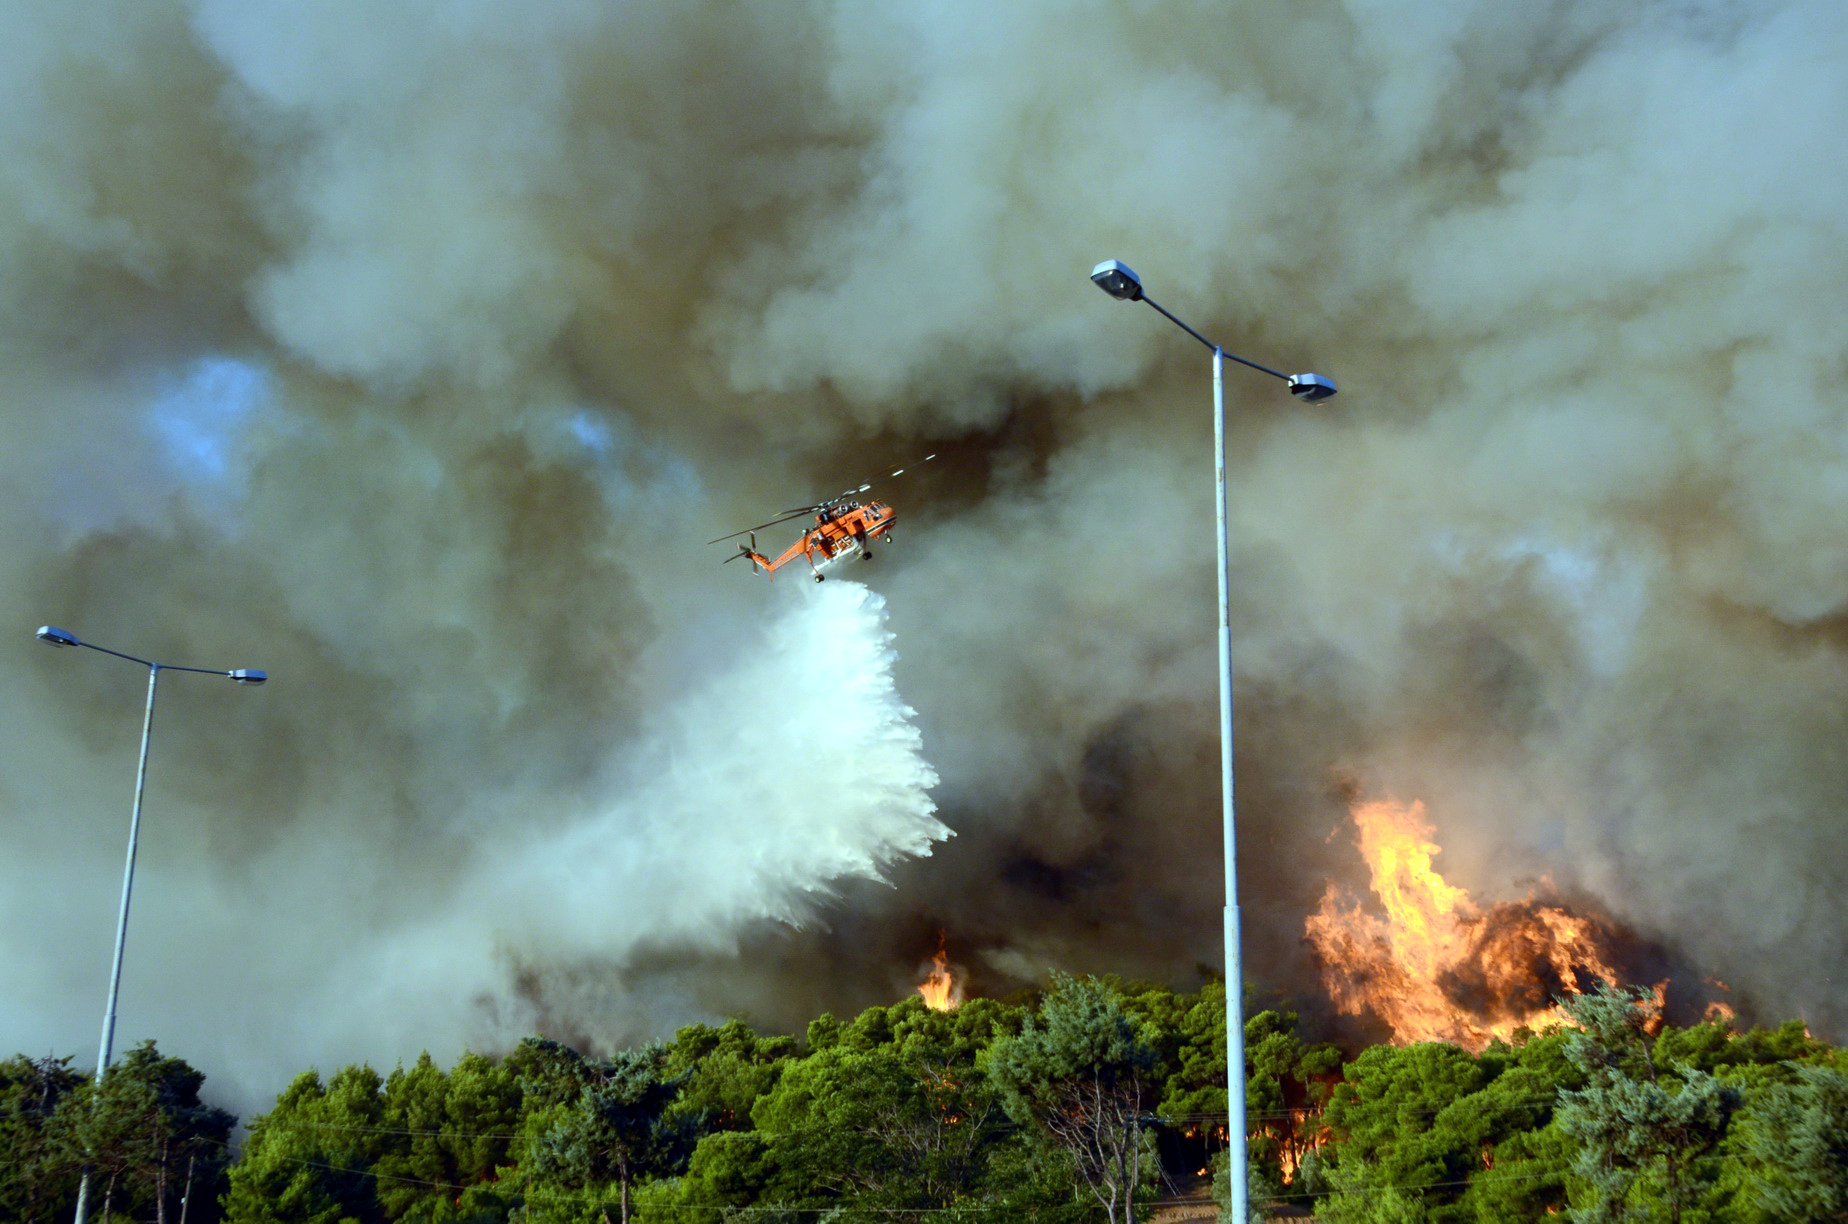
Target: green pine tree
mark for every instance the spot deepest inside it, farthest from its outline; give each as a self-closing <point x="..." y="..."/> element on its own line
<point x="40" y="1158"/>
<point x="1082" y="1073"/>
<point x="1800" y="1141"/>
<point x="1642" y="1122"/>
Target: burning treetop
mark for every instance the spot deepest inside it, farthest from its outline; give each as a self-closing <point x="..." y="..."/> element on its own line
<point x="1436" y="966"/>
<point x="940" y="989"/>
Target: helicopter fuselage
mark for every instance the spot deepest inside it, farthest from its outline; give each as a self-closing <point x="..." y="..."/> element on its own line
<point x="842" y="530"/>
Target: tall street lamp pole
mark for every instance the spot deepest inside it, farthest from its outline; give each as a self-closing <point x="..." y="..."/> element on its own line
<point x="1119" y="281"/>
<point x="243" y="675"/>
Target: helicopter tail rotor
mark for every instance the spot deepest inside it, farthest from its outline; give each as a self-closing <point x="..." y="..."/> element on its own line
<point x="744" y="550"/>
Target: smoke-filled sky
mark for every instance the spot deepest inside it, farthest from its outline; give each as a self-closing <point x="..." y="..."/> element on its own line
<point x="412" y="350"/>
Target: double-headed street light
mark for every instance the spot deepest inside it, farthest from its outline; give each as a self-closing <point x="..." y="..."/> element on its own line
<point x="1120" y="281"/>
<point x="243" y="675"/>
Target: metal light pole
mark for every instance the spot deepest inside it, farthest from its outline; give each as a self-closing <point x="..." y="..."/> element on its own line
<point x="1119" y="281"/>
<point x="242" y="675"/>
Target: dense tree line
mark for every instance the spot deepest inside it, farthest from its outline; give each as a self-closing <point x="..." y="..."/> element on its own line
<point x="1620" y="1117"/>
<point x="1085" y="1104"/>
<point x="153" y="1149"/>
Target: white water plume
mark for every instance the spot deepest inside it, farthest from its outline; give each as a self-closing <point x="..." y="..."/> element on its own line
<point x="795" y="767"/>
<point x="716" y="818"/>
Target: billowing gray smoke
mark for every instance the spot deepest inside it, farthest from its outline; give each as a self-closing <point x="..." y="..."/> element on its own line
<point x="412" y="351"/>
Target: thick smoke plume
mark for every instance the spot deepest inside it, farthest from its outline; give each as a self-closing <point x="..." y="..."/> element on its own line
<point x="411" y="351"/>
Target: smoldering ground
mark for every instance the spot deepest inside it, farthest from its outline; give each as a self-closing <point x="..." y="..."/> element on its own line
<point x="412" y="352"/>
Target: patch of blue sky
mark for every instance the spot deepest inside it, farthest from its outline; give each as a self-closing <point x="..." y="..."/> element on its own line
<point x="1608" y="588"/>
<point x="199" y="415"/>
<point x="1573" y="571"/>
<point x="636" y="471"/>
<point x="1548" y="837"/>
<point x="592" y="432"/>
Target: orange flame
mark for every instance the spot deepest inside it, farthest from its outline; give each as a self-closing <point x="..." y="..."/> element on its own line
<point x="1437" y="966"/>
<point x="940" y="988"/>
<point x="1719" y="1011"/>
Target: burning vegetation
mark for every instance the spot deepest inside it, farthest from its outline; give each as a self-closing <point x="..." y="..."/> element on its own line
<point x="1434" y="965"/>
<point x="940" y="989"/>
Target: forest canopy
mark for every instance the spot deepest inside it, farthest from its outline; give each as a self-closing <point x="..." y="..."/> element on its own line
<point x="1095" y="1100"/>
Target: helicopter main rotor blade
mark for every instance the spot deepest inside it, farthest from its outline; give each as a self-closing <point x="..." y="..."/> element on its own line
<point x="787" y="515"/>
<point x="897" y="471"/>
<point x="855" y="492"/>
<point x="796" y="512"/>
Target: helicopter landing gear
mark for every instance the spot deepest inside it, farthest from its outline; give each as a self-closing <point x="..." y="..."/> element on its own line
<point x="821" y="577"/>
<point x="867" y="555"/>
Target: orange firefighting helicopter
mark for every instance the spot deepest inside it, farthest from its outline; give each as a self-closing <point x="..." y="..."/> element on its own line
<point x="843" y="526"/>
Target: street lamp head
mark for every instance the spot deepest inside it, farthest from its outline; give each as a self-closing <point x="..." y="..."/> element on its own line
<point x="1119" y="280"/>
<point x="247" y="675"/>
<point x="1311" y="386"/>
<point x="57" y="637"/>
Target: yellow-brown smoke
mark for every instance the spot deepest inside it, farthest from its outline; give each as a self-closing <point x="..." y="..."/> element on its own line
<point x="410" y="350"/>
